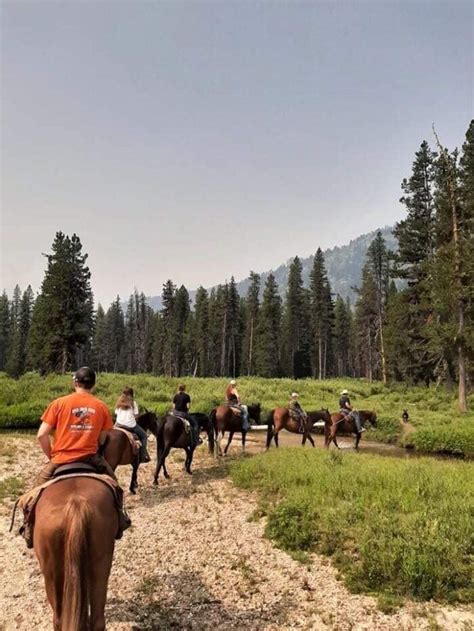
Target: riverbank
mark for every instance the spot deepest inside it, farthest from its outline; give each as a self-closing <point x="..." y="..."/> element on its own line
<point x="196" y="558"/>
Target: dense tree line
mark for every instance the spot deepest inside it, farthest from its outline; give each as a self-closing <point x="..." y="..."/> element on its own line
<point x="420" y="332"/>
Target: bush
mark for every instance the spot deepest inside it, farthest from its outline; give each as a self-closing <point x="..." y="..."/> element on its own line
<point x="396" y="527"/>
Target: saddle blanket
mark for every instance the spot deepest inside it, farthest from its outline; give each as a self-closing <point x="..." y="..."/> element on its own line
<point x="28" y="501"/>
<point x="186" y="423"/>
<point x="135" y="443"/>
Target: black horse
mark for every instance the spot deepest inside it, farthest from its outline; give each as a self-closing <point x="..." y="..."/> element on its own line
<point x="224" y="418"/>
<point x="172" y="433"/>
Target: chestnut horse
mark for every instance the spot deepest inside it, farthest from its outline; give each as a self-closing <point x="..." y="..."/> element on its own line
<point x="171" y="433"/>
<point x="74" y="537"/>
<point x="224" y="419"/>
<point x="118" y="449"/>
<point x="280" y="418"/>
<point x="341" y="424"/>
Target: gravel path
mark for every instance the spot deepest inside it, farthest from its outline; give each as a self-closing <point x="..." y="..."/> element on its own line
<point x="194" y="560"/>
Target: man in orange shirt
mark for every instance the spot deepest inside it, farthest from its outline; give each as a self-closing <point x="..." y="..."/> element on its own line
<point x="80" y="422"/>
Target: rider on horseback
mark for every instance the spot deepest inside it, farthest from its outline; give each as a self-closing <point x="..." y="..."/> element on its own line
<point x="348" y="412"/>
<point x="181" y="405"/>
<point x="80" y="422"/>
<point x="297" y="412"/>
<point x="126" y="412"/>
<point x="233" y="400"/>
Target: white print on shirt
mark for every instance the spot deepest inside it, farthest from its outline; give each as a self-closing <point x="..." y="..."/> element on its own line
<point x="83" y="415"/>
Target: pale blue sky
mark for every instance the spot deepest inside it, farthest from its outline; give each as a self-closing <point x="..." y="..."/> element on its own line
<point x="196" y="140"/>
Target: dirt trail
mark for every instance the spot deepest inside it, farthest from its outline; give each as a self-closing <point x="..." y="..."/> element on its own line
<point x="194" y="560"/>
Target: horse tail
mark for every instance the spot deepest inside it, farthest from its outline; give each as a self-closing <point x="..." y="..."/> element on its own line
<point x="210" y="434"/>
<point x="270" y="426"/>
<point x="75" y="611"/>
<point x="213" y="421"/>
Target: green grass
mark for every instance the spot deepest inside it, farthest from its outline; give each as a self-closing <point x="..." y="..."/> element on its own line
<point x="11" y="488"/>
<point x="432" y="410"/>
<point x="396" y="528"/>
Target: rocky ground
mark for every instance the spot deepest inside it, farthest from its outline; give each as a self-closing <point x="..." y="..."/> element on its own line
<point x="194" y="559"/>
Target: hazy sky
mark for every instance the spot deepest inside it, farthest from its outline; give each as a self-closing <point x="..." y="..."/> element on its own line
<point x="196" y="140"/>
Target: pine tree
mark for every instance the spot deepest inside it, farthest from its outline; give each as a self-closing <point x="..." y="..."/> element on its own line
<point x="417" y="241"/>
<point x="268" y="349"/>
<point x="342" y="337"/>
<point x="378" y="260"/>
<point x="180" y="328"/>
<point x="234" y="330"/>
<point x="322" y="316"/>
<point x="252" y="307"/>
<point x="14" y="360"/>
<point x="63" y="315"/>
<point x="168" y="297"/>
<point x="202" y="333"/>
<point x="99" y="338"/>
<point x="4" y="329"/>
<point x="367" y="354"/>
<point x="296" y="324"/>
<point x="114" y="338"/>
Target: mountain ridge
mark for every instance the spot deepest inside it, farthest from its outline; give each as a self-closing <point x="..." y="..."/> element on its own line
<point x="343" y="264"/>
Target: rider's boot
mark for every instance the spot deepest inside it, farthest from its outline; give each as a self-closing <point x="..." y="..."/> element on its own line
<point x="124" y="520"/>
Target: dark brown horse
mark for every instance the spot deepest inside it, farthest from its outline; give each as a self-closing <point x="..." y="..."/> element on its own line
<point x="74" y="538"/>
<point x="118" y="449"/>
<point x="280" y="418"/>
<point x="224" y="419"/>
<point x="340" y="424"/>
<point x="172" y="433"/>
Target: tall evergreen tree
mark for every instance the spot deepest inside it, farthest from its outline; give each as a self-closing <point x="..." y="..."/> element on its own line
<point x="342" y="338"/>
<point x="367" y="352"/>
<point x="99" y="341"/>
<point x="322" y="315"/>
<point x="4" y="329"/>
<point x="417" y="241"/>
<point x="115" y="349"/>
<point x="268" y="349"/>
<point x="252" y="307"/>
<point x="296" y="324"/>
<point x="202" y="333"/>
<point x="378" y="260"/>
<point x="63" y="315"/>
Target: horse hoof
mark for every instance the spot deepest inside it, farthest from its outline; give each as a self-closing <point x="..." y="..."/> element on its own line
<point x="155" y="482"/>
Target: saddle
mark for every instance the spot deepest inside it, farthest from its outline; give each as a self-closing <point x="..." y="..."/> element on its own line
<point x="134" y="442"/>
<point x="186" y="423"/>
<point x="29" y="500"/>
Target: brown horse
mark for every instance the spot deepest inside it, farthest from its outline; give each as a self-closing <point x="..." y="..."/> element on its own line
<point x="224" y="419"/>
<point x="118" y="449"/>
<point x="340" y="424"/>
<point x="74" y="538"/>
<point x="280" y="418"/>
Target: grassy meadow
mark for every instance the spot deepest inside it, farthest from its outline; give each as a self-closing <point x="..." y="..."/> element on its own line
<point x="396" y="528"/>
<point x="435" y="424"/>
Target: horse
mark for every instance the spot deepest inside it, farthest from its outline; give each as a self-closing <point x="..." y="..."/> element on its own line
<point x="338" y="423"/>
<point x="280" y="418"/>
<point x="118" y="449"/>
<point x="74" y="539"/>
<point x="171" y="433"/>
<point x="224" y="419"/>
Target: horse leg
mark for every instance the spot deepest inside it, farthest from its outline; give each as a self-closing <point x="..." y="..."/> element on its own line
<point x="310" y="438"/>
<point x="219" y="437"/>
<point x="357" y="440"/>
<point x="275" y="436"/>
<point x="189" y="459"/>
<point x="231" y="435"/>
<point x="98" y="593"/>
<point x="134" y="480"/>
<point x="161" y="463"/>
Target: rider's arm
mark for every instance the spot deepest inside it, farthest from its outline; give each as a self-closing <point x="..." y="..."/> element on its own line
<point x="43" y="439"/>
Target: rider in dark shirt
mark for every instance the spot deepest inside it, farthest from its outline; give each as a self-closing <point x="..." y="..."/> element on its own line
<point x="181" y="404"/>
<point x="346" y="409"/>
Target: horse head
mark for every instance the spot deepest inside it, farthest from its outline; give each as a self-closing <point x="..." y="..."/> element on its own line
<point x="148" y="421"/>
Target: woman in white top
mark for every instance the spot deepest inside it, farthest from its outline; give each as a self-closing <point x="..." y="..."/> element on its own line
<point x="126" y="411"/>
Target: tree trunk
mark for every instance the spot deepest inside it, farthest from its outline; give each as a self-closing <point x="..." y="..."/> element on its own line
<point x="382" y="348"/>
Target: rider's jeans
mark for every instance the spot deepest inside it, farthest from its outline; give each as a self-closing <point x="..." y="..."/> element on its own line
<point x="245" y="414"/>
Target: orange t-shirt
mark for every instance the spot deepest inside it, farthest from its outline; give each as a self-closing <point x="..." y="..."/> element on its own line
<point x="78" y="419"/>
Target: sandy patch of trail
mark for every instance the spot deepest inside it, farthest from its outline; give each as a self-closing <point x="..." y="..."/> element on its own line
<point x="193" y="560"/>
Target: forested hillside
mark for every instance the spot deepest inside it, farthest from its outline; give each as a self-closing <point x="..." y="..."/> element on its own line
<point x="343" y="264"/>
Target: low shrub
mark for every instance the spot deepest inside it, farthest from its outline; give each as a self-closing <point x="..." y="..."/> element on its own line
<point x="396" y="527"/>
